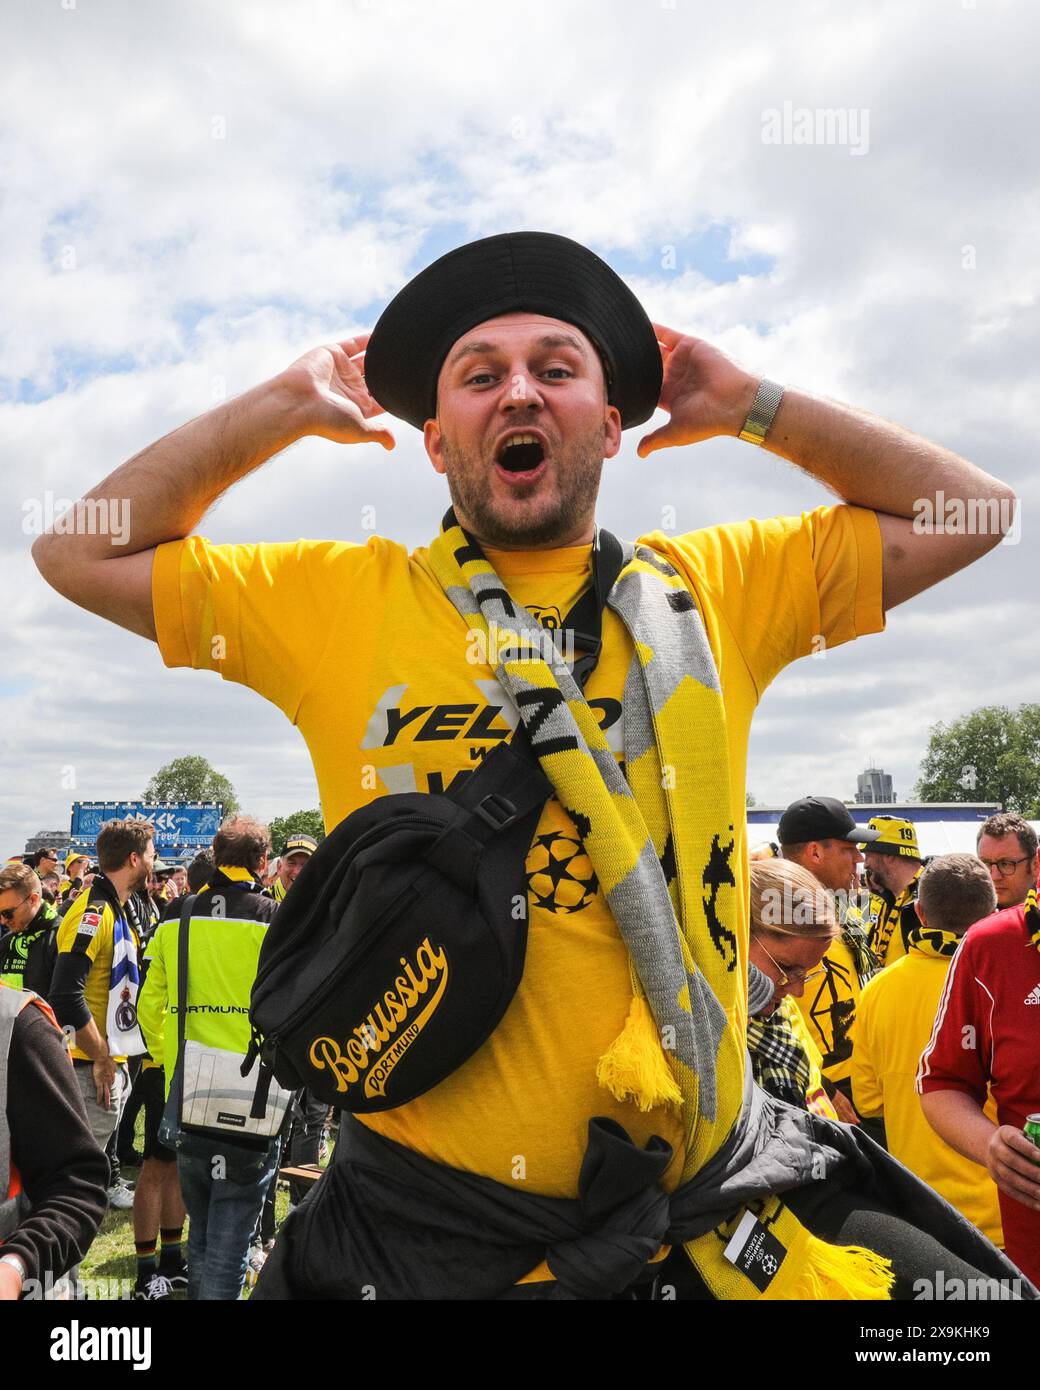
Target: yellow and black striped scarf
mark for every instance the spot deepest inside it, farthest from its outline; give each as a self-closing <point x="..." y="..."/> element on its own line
<point x="671" y="807"/>
<point x="932" y="941"/>
<point x="1032" y="911"/>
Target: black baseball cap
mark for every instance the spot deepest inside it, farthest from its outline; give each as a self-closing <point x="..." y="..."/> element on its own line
<point x="539" y="272"/>
<point x="821" y="818"/>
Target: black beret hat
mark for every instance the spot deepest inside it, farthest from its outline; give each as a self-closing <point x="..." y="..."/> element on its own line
<point x="534" y="271"/>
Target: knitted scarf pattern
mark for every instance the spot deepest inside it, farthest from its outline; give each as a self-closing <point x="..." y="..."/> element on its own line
<point x="660" y="838"/>
<point x="931" y="941"/>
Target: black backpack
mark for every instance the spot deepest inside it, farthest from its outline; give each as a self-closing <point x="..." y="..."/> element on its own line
<point x="401" y="943"/>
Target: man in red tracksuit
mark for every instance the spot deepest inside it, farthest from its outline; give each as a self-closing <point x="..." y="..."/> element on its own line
<point x="987" y="1033"/>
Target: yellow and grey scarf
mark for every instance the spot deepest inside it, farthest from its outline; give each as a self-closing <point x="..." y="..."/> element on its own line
<point x="660" y="837"/>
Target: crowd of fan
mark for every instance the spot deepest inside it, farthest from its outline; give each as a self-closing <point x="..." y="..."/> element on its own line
<point x="885" y="990"/>
<point x="905" y="997"/>
<point x="62" y="935"/>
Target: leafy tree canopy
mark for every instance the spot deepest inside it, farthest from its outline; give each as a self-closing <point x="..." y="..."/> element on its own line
<point x="991" y="754"/>
<point x="192" y="778"/>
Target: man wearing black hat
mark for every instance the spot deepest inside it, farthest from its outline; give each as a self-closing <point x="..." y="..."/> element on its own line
<point x="522" y="358"/>
<point x="819" y="833"/>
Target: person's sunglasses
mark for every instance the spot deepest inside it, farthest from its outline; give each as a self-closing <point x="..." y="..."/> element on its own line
<point x="790" y="973"/>
<point x="1006" y="866"/>
<point x="7" y="913"/>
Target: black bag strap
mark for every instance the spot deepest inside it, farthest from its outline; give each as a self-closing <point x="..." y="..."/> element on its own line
<point x="184" y="926"/>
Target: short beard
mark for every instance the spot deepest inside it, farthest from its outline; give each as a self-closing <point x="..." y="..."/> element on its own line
<point x="578" y="478"/>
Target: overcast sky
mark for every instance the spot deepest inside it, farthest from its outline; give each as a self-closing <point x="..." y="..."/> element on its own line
<point x="192" y="195"/>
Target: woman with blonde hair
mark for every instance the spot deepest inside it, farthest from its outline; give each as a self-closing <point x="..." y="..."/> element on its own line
<point x="793" y="921"/>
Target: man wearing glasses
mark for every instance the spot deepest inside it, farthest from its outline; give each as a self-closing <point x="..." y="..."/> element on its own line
<point x="985" y="1038"/>
<point x="29" y="944"/>
<point x="1007" y="845"/>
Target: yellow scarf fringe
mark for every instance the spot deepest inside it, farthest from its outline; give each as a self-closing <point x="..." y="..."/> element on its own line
<point x="634" y="1066"/>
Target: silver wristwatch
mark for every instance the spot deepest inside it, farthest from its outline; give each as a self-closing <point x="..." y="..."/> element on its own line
<point x="763" y="410"/>
<point x="16" y="1262"/>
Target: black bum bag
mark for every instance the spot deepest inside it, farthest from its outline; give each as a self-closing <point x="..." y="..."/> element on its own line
<point x="401" y="943"/>
<point x="399" y="946"/>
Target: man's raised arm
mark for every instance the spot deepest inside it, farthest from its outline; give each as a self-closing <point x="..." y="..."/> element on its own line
<point x="165" y="490"/>
<point x="937" y="511"/>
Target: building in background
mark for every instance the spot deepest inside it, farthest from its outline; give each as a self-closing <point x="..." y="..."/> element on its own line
<point x="874" y="788"/>
<point x="47" y="839"/>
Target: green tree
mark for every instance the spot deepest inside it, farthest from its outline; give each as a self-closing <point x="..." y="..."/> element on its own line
<point x="298" y="823"/>
<point x="749" y="799"/>
<point x="192" y="778"/>
<point x="991" y="754"/>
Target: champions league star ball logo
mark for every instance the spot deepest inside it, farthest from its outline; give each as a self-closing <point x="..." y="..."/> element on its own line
<point x="560" y="876"/>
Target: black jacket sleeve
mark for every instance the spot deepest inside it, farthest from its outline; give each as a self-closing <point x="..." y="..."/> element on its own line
<point x="64" y="1172"/>
<point x="66" y="997"/>
<point x="39" y="969"/>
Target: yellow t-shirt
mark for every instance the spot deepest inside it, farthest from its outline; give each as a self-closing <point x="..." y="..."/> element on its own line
<point x="94" y="936"/>
<point x="816" y="1098"/>
<point x="893" y="1024"/>
<point x="358" y="646"/>
<point x="828" y="1008"/>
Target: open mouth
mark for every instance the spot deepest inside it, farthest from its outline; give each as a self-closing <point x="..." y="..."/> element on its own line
<point x="520" y="454"/>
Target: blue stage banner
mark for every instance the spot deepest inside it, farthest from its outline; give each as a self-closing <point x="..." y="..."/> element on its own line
<point x="176" y="824"/>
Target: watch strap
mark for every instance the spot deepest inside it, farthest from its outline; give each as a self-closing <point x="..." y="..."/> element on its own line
<point x="16" y="1262"/>
<point x="763" y="411"/>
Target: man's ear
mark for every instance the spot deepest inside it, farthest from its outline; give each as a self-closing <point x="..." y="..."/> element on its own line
<point x="433" y="441"/>
<point x="920" y="912"/>
<point x="611" y="432"/>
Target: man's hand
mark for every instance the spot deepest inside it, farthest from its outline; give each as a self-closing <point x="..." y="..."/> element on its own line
<point x="165" y="490"/>
<point x="1014" y="1165"/>
<point x="845" y="1109"/>
<point x="330" y="384"/>
<point x="104" y="1078"/>
<point x="704" y="392"/>
<point x="866" y="460"/>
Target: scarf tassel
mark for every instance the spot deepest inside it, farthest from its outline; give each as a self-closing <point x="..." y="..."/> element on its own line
<point x="634" y="1066"/>
<point x="833" y="1273"/>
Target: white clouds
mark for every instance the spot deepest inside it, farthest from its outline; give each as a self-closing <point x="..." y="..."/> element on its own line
<point x="359" y="135"/>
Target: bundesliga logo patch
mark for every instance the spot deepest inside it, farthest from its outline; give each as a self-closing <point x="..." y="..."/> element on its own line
<point x="88" y="924"/>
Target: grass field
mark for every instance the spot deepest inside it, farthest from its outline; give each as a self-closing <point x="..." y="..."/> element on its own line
<point x="111" y="1257"/>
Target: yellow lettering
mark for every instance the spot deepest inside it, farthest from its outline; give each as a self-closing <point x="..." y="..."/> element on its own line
<point x="324" y="1053"/>
<point x="419" y="985"/>
<point x="406" y="992"/>
<point x="377" y="1023"/>
<point x="434" y="961"/>
<point x="396" y="1009"/>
